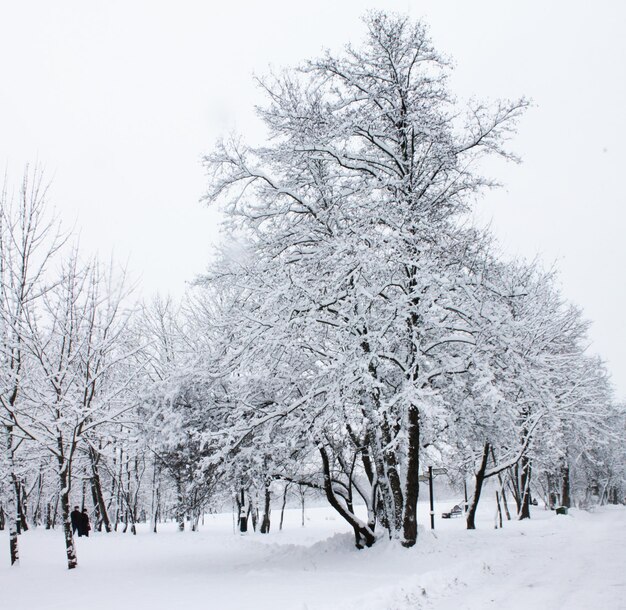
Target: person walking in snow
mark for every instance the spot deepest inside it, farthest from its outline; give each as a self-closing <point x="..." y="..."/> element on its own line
<point x="84" y="525"/>
<point x="76" y="517"/>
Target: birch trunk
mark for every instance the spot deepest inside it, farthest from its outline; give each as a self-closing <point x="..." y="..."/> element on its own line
<point x="13" y="517"/>
<point x="64" y="495"/>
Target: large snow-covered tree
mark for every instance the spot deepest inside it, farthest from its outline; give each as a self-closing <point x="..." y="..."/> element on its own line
<point x="353" y="266"/>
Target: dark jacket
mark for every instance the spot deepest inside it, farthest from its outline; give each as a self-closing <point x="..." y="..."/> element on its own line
<point x="83" y="525"/>
<point x="76" y="517"/>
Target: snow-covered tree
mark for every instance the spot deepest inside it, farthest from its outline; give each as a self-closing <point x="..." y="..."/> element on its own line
<point x="352" y="267"/>
<point x="29" y="240"/>
<point x="75" y="355"/>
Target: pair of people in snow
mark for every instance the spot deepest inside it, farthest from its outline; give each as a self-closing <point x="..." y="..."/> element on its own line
<point x="80" y="522"/>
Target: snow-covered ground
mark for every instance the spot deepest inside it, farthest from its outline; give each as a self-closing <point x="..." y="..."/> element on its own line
<point x="550" y="562"/>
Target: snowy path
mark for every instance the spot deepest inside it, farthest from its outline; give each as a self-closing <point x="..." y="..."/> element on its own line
<point x="576" y="562"/>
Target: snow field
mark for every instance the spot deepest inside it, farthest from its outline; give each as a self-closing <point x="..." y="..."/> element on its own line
<point x="576" y="562"/>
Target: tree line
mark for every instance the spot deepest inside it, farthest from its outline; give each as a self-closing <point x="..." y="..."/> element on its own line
<point x="354" y="327"/>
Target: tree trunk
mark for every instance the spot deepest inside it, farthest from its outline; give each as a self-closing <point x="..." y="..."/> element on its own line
<point x="195" y="525"/>
<point x="55" y="512"/>
<point x="83" y="494"/>
<point x="499" y="511"/>
<point x="22" y="525"/>
<point x="156" y="495"/>
<point x="242" y="513"/>
<point x="118" y="496"/>
<point x="502" y="490"/>
<point x="131" y="498"/>
<point x="411" y="492"/>
<point x="97" y="519"/>
<point x="385" y="505"/>
<point x="282" y="508"/>
<point x="64" y="494"/>
<point x="13" y="528"/>
<point x="505" y="503"/>
<point x="37" y="512"/>
<point x="362" y="532"/>
<point x="12" y="509"/>
<point x="393" y="478"/>
<point x="565" y="496"/>
<point x="254" y="513"/>
<point x="524" y="512"/>
<point x="265" y="522"/>
<point x="180" y="509"/>
<point x="96" y="484"/>
<point x="479" y="480"/>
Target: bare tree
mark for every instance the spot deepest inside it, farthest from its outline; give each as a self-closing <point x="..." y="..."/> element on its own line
<point x="29" y="240"/>
<point x="75" y="345"/>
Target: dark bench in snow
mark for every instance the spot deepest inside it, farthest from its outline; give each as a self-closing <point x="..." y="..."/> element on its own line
<point x="456" y="511"/>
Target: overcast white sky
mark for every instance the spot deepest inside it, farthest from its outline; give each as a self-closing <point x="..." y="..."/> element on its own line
<point x="118" y="100"/>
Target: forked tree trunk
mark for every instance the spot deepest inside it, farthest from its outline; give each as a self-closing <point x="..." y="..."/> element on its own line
<point x="363" y="534"/>
<point x="479" y="480"/>
<point x="502" y="490"/>
<point x="384" y="456"/>
<point x="392" y="477"/>
<point x="96" y="486"/>
<point x="385" y="502"/>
